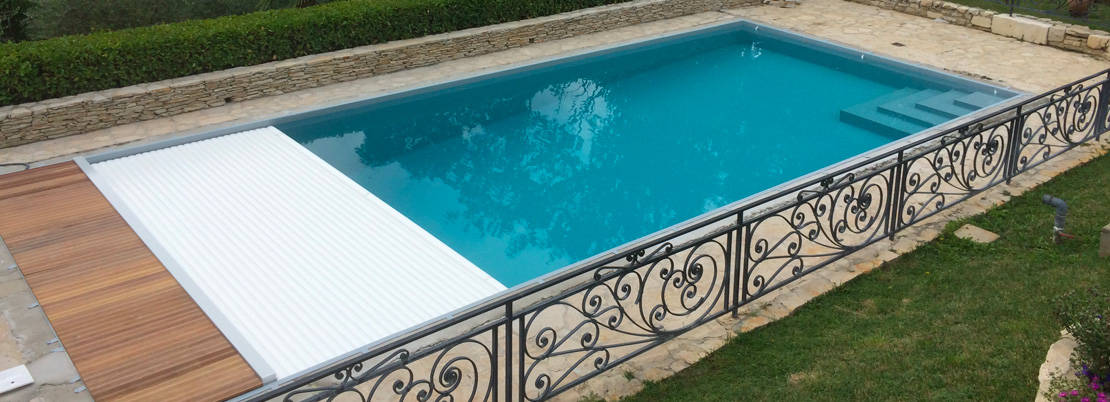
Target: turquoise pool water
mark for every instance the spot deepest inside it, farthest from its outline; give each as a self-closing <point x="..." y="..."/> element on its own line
<point x="526" y="172"/>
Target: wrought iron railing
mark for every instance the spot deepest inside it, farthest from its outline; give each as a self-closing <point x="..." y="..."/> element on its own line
<point x="547" y="337"/>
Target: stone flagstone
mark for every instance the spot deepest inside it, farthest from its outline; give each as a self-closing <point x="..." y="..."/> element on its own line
<point x="976" y="234"/>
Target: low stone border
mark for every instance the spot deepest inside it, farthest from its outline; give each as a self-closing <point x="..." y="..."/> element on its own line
<point x="1056" y="362"/>
<point x="1042" y="31"/>
<point x="54" y="118"/>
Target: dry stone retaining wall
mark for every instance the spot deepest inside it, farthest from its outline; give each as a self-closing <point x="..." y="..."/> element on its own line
<point x="1041" y="31"/>
<point x="30" y="122"/>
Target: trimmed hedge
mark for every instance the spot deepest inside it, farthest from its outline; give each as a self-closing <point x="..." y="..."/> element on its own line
<point x="31" y="71"/>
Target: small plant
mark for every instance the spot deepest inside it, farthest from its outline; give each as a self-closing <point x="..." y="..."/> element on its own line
<point x="1086" y="315"/>
<point x="1084" y="387"/>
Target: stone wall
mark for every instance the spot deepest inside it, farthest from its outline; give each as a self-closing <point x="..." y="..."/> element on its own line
<point x="30" y="122"/>
<point x="1041" y="31"/>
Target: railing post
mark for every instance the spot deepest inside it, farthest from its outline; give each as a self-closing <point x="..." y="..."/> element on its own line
<point x="1103" y="105"/>
<point x="738" y="271"/>
<point x="726" y="285"/>
<point x="746" y="235"/>
<point x="894" y="187"/>
<point x="496" y="354"/>
<point x="1014" y="148"/>
<point x="509" y="351"/>
<point x="521" y="393"/>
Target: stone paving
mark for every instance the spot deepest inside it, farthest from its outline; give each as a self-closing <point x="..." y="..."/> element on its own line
<point x="966" y="51"/>
<point x="27" y="339"/>
<point x="970" y="52"/>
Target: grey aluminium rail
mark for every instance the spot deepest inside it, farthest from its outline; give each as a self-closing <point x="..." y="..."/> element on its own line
<point x="547" y="336"/>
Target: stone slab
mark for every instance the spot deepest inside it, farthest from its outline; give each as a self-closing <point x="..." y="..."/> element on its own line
<point x="976" y="234"/>
<point x="1058" y="360"/>
<point x="1097" y="41"/>
<point x="1021" y="28"/>
<point x="981" y="21"/>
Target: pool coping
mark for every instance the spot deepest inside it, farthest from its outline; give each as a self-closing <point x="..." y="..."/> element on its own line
<point x="837" y="49"/>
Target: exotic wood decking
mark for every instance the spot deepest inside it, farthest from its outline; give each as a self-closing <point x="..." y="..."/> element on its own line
<point x="130" y="329"/>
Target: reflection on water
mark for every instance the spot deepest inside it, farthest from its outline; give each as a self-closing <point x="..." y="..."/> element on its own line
<point x="528" y="173"/>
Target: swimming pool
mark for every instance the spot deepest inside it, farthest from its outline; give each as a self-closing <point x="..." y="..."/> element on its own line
<point x="532" y="169"/>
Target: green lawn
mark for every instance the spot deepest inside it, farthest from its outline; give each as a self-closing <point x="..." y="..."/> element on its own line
<point x="1099" y="17"/>
<point x="952" y="320"/>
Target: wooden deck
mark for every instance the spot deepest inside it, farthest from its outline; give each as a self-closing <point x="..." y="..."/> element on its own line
<point x="128" y="326"/>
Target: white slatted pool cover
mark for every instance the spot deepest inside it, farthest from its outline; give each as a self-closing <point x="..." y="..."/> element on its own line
<point x="301" y="262"/>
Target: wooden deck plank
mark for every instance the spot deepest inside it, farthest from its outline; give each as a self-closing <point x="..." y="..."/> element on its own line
<point x="130" y="329"/>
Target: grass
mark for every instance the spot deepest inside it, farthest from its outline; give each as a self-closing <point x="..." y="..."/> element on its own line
<point x="953" y="320"/>
<point x="1099" y="17"/>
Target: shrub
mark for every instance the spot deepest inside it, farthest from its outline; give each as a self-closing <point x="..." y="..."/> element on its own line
<point x="68" y="65"/>
<point x="74" y="17"/>
<point x="1086" y="315"/>
<point x="13" y="19"/>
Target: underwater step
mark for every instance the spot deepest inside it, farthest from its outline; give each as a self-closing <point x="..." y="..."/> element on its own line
<point x="977" y="100"/>
<point x="906" y="108"/>
<point x="867" y="115"/>
<point x="945" y="104"/>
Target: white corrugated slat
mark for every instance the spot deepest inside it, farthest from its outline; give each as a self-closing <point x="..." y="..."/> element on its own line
<point x="305" y="264"/>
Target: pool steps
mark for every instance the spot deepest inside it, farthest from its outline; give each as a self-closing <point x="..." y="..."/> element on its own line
<point x="909" y="110"/>
<point x="945" y="104"/>
<point x="976" y="100"/>
<point x="906" y="108"/>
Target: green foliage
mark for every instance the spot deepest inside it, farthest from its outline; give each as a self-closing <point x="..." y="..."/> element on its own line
<point x="53" y="18"/>
<point x="1086" y="315"/>
<point x="13" y="19"/>
<point x="68" y="65"/>
<point x="1066" y="387"/>
<point x="275" y="4"/>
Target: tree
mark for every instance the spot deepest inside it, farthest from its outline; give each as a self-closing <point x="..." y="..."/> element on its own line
<point x="13" y="19"/>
